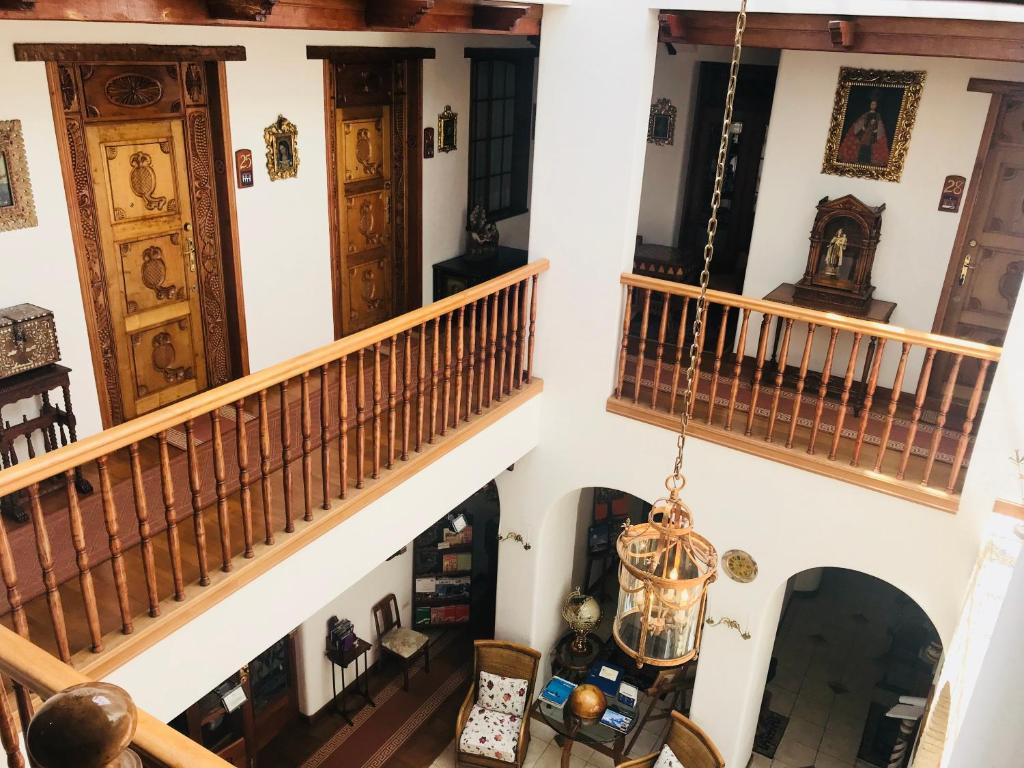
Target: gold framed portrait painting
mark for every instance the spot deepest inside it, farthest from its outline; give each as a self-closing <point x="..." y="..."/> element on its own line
<point x="872" y="118"/>
<point x="282" y="139"/>
<point x="17" y="207"/>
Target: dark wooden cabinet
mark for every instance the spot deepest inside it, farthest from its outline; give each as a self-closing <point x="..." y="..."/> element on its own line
<point x="460" y="273"/>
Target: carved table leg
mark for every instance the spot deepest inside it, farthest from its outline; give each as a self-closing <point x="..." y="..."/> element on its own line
<point x="82" y="485"/>
<point x="567" y="745"/>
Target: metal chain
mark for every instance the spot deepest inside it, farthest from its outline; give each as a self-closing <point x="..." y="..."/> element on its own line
<point x="676" y="480"/>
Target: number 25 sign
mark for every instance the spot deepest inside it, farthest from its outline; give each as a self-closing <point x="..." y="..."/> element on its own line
<point x="952" y="192"/>
<point x="243" y="168"/>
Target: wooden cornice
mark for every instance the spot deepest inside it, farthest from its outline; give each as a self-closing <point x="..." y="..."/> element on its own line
<point x="953" y="38"/>
<point x="402" y="14"/>
<point x="499" y="18"/>
<point x="117" y="52"/>
<point x="329" y="15"/>
<point x="243" y="10"/>
<point x="343" y="54"/>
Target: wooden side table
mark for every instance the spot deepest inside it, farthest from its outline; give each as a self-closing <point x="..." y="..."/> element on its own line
<point x="342" y="659"/>
<point x="460" y="273"/>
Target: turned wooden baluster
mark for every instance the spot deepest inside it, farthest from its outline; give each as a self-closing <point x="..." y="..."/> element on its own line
<point x="826" y="374"/>
<point x="659" y="352"/>
<point x="446" y="397"/>
<point x="471" y="368"/>
<point x="195" y="486"/>
<point x="360" y="419"/>
<point x="10" y="576"/>
<point x="377" y="409"/>
<point x="171" y="517"/>
<point x="524" y="320"/>
<point x="8" y="730"/>
<point x="533" y="328"/>
<point x="343" y="425"/>
<point x="265" y="489"/>
<point x="92" y="614"/>
<point x="306" y="427"/>
<point x="740" y="353"/>
<point x="45" y="554"/>
<point x="623" y="345"/>
<point x="286" y="458"/>
<point x="719" y="351"/>
<point x="482" y="373"/>
<point x="435" y="376"/>
<point x="392" y="397"/>
<point x="915" y="418"/>
<point x="325" y="437"/>
<point x="114" y="543"/>
<point x="695" y="384"/>
<point x="894" y="399"/>
<point x="492" y="347"/>
<point x="780" y="374"/>
<point x="638" y="367"/>
<point x="805" y="359"/>
<point x="145" y="537"/>
<point x="502" y="343"/>
<point x="869" y="398"/>
<point x="513" y="347"/>
<point x="677" y="366"/>
<point x="755" y="387"/>
<point x="968" y="426"/>
<point x="406" y="395"/>
<point x="940" y="418"/>
<point x="459" y="354"/>
<point x="220" y="477"/>
<point x="244" y="492"/>
<point x="844" y="398"/>
<point x="421" y="385"/>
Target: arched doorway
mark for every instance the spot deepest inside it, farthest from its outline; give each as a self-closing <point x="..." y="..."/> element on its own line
<point x="854" y="659"/>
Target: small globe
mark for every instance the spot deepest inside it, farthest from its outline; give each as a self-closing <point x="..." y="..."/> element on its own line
<point x="587" y="702"/>
<point x="581" y="612"/>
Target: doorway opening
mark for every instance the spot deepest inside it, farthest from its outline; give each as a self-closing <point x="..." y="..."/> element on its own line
<point x="851" y="672"/>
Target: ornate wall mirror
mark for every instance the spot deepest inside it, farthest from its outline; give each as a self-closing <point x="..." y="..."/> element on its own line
<point x="661" y="127"/>
<point x="17" y="209"/>
<point x="447" y="129"/>
<point x="282" y="149"/>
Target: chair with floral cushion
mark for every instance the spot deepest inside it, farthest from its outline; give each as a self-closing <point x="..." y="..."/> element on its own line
<point x="687" y="746"/>
<point x="406" y="645"/>
<point x="493" y="726"/>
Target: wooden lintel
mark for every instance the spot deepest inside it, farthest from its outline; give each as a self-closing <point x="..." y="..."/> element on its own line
<point x="1002" y="87"/>
<point x="951" y="38"/>
<point x="400" y="14"/>
<point x="243" y="10"/>
<point x="345" y="54"/>
<point x="114" y="52"/>
<point x="500" y="18"/>
<point x="17" y="5"/>
<point x="502" y="53"/>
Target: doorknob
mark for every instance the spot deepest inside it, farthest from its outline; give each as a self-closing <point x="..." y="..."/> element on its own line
<point x="966" y="267"/>
<point x="190" y="247"/>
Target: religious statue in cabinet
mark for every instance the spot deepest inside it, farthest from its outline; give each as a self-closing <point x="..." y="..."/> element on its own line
<point x="843" y="242"/>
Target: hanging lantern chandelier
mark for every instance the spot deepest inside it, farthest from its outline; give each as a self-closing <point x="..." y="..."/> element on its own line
<point x="665" y="566"/>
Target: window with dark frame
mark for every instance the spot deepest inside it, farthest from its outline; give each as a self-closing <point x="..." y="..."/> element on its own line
<point x="501" y="106"/>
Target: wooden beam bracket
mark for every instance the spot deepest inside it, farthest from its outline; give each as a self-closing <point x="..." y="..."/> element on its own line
<point x="240" y="10"/>
<point x="402" y="14"/>
<point x="17" y="5"/>
<point x="842" y="33"/>
<point x="500" y="18"/>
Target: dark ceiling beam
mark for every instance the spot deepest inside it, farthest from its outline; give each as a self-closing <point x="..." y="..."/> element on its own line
<point x="401" y="14"/>
<point x="17" y="5"/>
<point x="500" y="18"/>
<point x="240" y="10"/>
<point x="952" y="38"/>
<point x="80" y="53"/>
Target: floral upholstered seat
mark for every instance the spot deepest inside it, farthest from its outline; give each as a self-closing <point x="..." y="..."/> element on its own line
<point x="404" y="642"/>
<point x="489" y="733"/>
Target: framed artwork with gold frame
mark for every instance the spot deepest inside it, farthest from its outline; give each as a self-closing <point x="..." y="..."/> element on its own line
<point x="872" y="118"/>
<point x="661" y="126"/>
<point x="447" y="129"/>
<point x="17" y="207"/>
<point x="282" y="138"/>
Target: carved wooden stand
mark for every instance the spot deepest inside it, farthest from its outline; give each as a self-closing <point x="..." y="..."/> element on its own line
<point x="56" y="424"/>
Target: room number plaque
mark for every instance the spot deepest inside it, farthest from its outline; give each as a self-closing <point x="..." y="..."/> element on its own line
<point x="243" y="168"/>
<point x="952" y="193"/>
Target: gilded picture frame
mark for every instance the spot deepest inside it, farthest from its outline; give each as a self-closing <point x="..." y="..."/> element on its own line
<point x="282" y="139"/>
<point x="872" y="118"/>
<point x="661" y="126"/>
<point x="17" y="206"/>
<point x="447" y="130"/>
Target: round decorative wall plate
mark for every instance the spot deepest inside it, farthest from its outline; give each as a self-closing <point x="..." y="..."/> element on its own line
<point x="739" y="565"/>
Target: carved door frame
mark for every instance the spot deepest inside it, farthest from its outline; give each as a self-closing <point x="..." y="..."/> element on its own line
<point x="407" y="166"/>
<point x="204" y="117"/>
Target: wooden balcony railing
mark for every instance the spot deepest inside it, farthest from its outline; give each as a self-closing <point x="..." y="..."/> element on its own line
<point x="173" y="519"/>
<point x="32" y="674"/>
<point x="782" y="382"/>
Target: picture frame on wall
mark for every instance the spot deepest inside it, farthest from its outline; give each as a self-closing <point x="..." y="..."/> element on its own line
<point x="661" y="125"/>
<point x="17" y="206"/>
<point x="282" y="142"/>
<point x="447" y="130"/>
<point x="872" y="119"/>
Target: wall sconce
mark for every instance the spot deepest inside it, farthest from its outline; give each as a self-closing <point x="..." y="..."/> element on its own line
<point x="513" y="536"/>
<point x="731" y="623"/>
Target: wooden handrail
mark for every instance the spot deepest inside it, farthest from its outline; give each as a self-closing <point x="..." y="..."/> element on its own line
<point x="821" y="318"/>
<point x="45" y="675"/>
<point x="104" y="443"/>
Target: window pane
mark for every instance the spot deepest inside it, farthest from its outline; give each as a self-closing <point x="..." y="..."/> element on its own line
<point x="483" y="79"/>
<point x="495" y="156"/>
<point x="480" y="159"/>
<point x="497" y="118"/>
<point x="498" y="79"/>
<point x="494" y="194"/>
<point x="480" y="192"/>
<point x="506" y="155"/>
<point x="510" y="114"/>
<point x="506" y="190"/>
<point x="479" y="118"/>
<point x="510" y="80"/>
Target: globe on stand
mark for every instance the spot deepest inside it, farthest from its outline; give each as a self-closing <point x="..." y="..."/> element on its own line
<point x="582" y="613"/>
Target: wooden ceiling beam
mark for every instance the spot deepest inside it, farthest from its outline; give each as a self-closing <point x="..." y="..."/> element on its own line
<point x="242" y="10"/>
<point x="401" y="14"/>
<point x="500" y="18"/>
<point x="17" y="5"/>
<point x="952" y="38"/>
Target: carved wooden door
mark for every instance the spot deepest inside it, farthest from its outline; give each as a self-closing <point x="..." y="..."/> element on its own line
<point x="988" y="270"/>
<point x="364" y="216"/>
<point x="144" y="217"/>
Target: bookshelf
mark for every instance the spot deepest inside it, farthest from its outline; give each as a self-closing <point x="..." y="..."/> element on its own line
<point x="443" y="575"/>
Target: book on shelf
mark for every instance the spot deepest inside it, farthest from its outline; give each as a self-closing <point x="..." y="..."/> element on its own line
<point x="456" y="561"/>
<point x="421" y="615"/>
<point x="451" y="538"/>
<point x="606" y="677"/>
<point x="557" y="691"/>
<point x="617" y="720"/>
<point x="449" y="614"/>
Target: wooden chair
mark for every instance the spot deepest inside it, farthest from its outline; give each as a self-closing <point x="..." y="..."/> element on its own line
<point x="507" y="660"/>
<point x="688" y="742"/>
<point x="674" y="682"/>
<point x="406" y="645"/>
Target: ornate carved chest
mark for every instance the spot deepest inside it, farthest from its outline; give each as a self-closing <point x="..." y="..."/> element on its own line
<point x="28" y="339"/>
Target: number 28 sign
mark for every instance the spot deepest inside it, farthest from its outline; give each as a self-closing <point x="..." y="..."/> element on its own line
<point x="952" y="192"/>
<point x="243" y="168"/>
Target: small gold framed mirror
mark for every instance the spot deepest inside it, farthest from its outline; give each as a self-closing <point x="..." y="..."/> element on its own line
<point x="447" y="130"/>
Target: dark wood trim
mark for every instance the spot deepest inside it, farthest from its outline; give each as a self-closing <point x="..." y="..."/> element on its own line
<point x="950" y="38"/>
<point x="500" y="18"/>
<point x="243" y="10"/>
<point x="17" y="5"/>
<point x="502" y="53"/>
<point x="227" y="209"/>
<point x="361" y="54"/>
<point x="333" y="224"/>
<point x="414" y="196"/>
<point x="118" y="52"/>
<point x="1001" y="87"/>
<point x="403" y="14"/>
<point x="967" y="210"/>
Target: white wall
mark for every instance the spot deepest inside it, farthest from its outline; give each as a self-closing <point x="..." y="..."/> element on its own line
<point x="283" y="229"/>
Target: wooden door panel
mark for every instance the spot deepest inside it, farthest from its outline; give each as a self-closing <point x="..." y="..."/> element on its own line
<point x="123" y="91"/>
<point x="153" y="272"/>
<point x="162" y="361"/>
<point x="1005" y="215"/>
<point x="366" y="149"/>
<point x="142" y="180"/>
<point x="368" y="292"/>
<point x="368" y="220"/>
